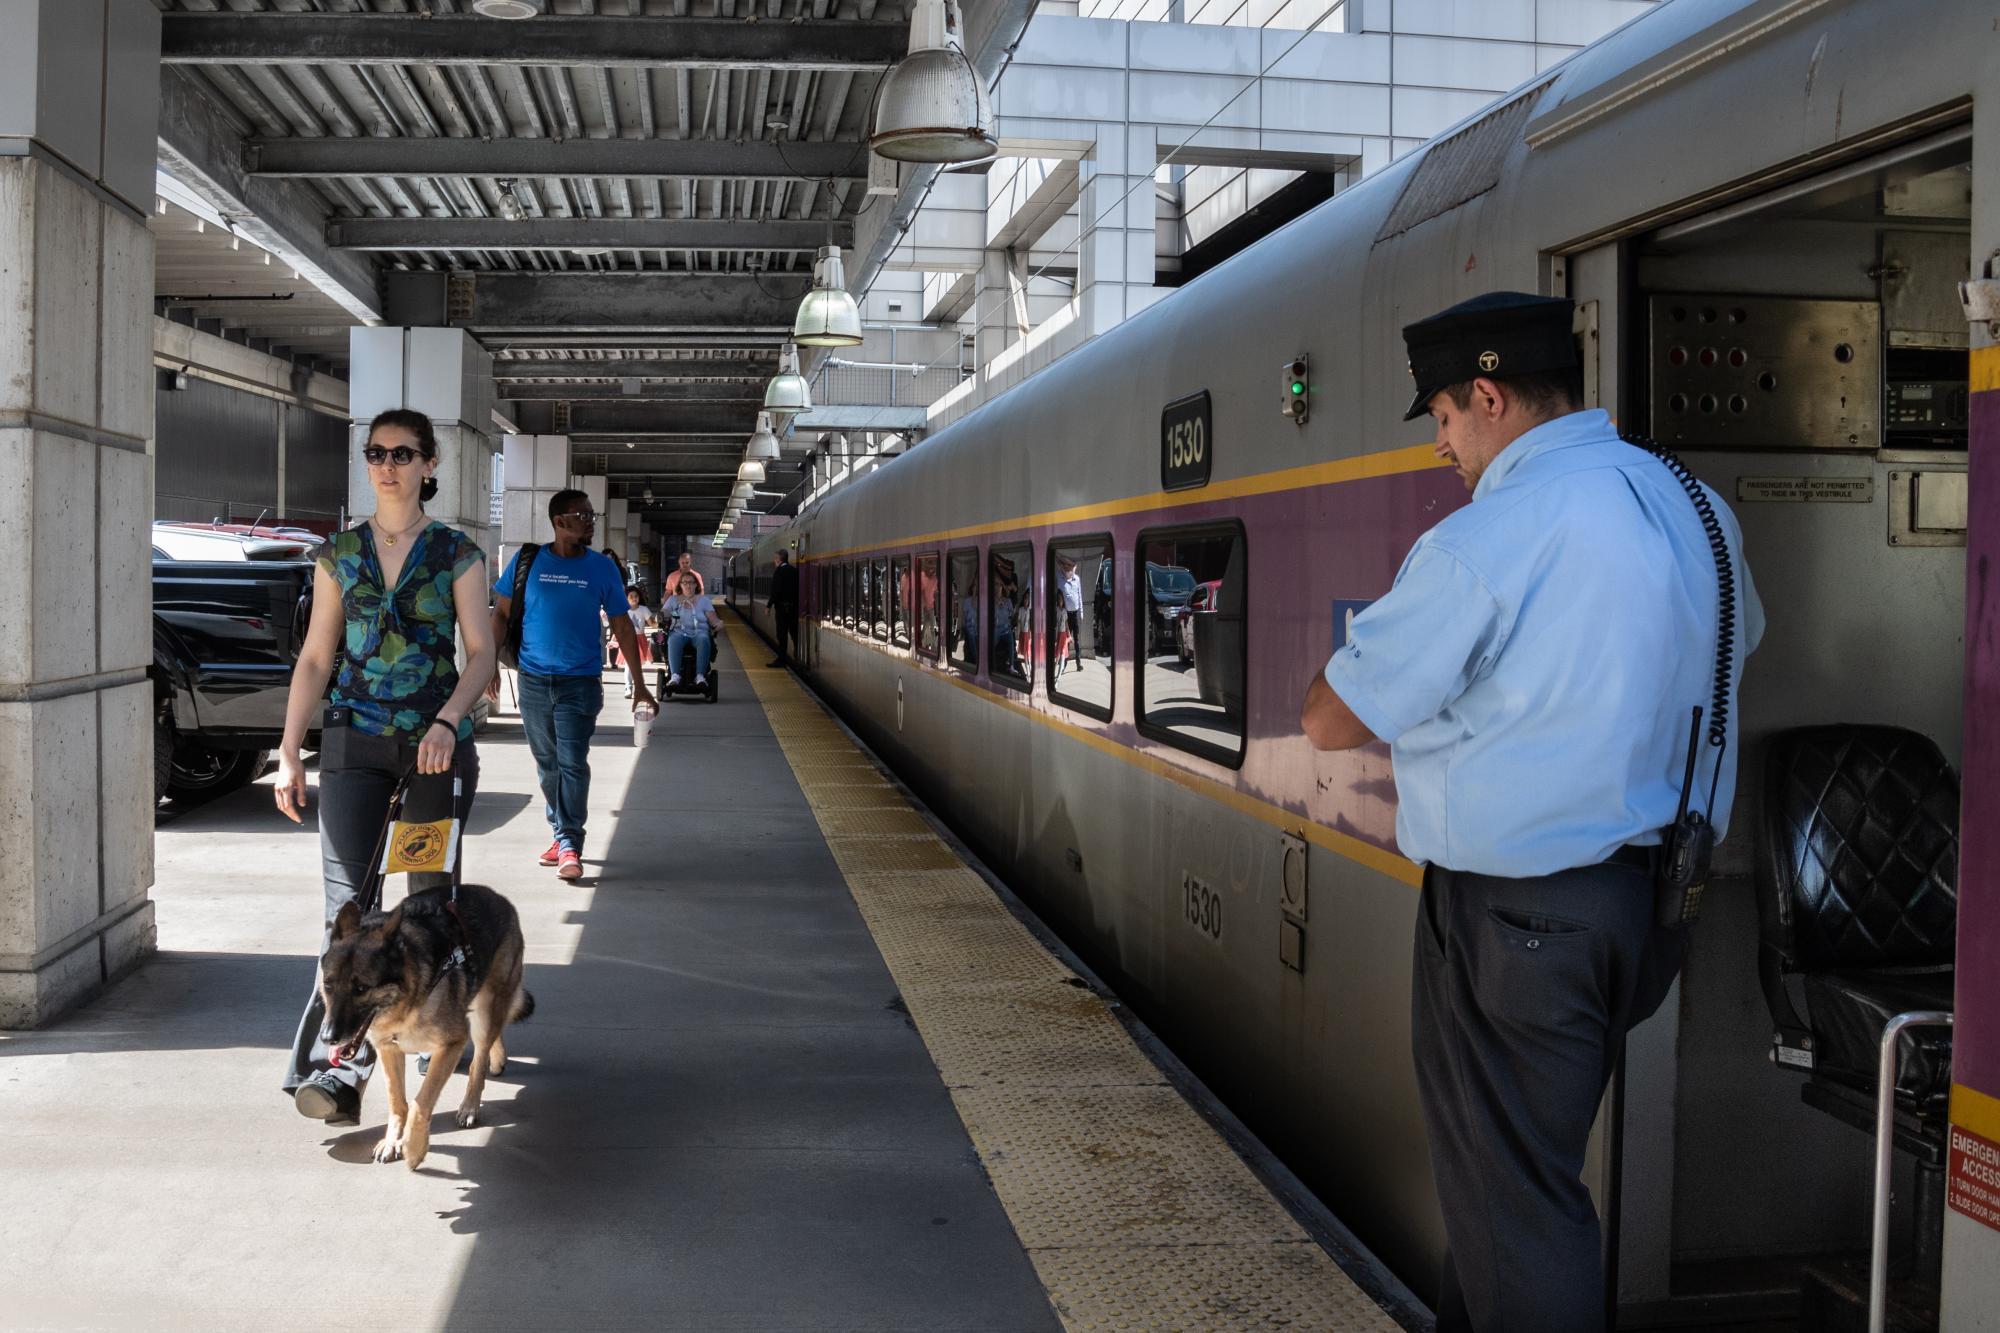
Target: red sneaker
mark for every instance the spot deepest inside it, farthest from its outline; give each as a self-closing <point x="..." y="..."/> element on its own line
<point x="570" y="866"/>
<point x="552" y="855"/>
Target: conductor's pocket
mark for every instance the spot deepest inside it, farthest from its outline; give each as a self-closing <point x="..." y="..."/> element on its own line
<point x="1535" y="972"/>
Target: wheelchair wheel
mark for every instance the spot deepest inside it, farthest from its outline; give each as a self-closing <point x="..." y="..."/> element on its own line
<point x="714" y="679"/>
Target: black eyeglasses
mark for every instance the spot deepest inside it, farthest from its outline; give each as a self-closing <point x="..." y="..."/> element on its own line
<point x="402" y="455"/>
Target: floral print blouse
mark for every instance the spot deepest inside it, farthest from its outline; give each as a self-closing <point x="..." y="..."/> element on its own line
<point x="398" y="663"/>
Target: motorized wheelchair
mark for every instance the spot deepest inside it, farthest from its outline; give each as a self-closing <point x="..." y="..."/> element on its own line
<point x="687" y="686"/>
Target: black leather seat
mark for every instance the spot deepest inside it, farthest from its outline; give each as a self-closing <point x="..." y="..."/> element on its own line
<point x="1858" y="896"/>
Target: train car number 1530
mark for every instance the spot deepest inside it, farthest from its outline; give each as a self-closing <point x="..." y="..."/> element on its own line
<point x="1187" y="446"/>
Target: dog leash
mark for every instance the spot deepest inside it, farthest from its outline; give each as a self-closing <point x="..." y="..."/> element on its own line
<point x="461" y="954"/>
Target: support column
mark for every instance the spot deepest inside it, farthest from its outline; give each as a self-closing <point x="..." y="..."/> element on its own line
<point x="447" y="376"/>
<point x="535" y="468"/>
<point x="1116" y="212"/>
<point x="76" y="496"/>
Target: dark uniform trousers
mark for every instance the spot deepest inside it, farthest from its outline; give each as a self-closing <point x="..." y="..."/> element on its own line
<point x="786" y="616"/>
<point x="1524" y="990"/>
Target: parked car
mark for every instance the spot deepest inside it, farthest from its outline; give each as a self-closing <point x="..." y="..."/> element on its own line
<point x="1203" y="601"/>
<point x="230" y="541"/>
<point x="1168" y="590"/>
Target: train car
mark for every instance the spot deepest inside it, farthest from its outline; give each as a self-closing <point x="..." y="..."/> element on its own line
<point x="1080" y="622"/>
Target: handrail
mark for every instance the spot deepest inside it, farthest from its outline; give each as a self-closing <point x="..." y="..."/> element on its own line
<point x="1885" y="1156"/>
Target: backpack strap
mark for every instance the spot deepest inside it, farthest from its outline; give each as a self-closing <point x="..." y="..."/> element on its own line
<point x="517" y="605"/>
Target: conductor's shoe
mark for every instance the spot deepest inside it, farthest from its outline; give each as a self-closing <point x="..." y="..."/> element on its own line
<point x="324" y="1097"/>
<point x="776" y="662"/>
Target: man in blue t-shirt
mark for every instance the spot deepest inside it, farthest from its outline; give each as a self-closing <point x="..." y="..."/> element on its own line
<point x="562" y="683"/>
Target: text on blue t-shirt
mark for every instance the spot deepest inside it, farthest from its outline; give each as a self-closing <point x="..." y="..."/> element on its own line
<point x="559" y="625"/>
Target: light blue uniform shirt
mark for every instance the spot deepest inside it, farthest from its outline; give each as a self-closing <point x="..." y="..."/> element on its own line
<point x="1535" y="666"/>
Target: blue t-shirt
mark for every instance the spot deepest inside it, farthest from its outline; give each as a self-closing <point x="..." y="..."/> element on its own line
<point x="559" y="625"/>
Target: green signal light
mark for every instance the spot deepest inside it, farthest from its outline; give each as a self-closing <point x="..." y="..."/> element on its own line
<point x="1297" y="387"/>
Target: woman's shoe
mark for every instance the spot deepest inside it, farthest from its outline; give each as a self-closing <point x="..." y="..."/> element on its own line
<point x="673" y="681"/>
<point x="701" y="682"/>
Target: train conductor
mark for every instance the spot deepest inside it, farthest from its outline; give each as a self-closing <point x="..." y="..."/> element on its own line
<point x="1533" y="670"/>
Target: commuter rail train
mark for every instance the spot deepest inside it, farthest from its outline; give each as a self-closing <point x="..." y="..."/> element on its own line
<point x="1080" y="621"/>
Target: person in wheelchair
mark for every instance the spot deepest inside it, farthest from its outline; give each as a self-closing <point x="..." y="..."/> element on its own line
<point x="690" y="618"/>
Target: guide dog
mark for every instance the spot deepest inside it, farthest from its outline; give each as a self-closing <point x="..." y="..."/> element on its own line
<point x="428" y="976"/>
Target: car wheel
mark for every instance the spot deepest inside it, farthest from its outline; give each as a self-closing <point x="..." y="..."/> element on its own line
<point x="199" y="773"/>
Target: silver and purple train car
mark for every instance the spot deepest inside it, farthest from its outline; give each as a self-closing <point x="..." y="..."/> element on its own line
<point x="1080" y="622"/>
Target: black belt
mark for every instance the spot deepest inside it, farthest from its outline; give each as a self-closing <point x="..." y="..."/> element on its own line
<point x="1632" y="854"/>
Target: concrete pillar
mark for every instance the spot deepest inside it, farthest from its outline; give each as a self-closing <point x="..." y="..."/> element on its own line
<point x="1115" y="208"/>
<point x="533" y="469"/>
<point x="76" y="496"/>
<point x="447" y="376"/>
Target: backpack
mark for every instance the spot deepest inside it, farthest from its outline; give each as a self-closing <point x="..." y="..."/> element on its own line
<point x="510" y="643"/>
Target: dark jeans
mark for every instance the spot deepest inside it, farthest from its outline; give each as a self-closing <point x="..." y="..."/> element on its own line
<point x="787" y="618"/>
<point x="559" y="713"/>
<point x="1524" y="991"/>
<point x="357" y="774"/>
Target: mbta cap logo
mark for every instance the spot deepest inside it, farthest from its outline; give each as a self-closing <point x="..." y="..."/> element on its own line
<point x="1489" y="361"/>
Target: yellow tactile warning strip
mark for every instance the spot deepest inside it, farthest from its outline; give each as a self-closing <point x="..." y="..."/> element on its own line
<point x="1135" y="1212"/>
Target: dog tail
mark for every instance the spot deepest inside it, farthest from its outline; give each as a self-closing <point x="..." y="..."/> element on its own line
<point x="524" y="1006"/>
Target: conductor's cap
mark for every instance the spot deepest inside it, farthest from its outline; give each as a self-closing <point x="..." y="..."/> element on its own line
<point x="1501" y="335"/>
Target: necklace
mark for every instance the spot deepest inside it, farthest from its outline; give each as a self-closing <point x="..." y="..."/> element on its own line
<point x="393" y="537"/>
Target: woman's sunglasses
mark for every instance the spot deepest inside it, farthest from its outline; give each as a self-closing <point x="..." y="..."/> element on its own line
<point x="402" y="455"/>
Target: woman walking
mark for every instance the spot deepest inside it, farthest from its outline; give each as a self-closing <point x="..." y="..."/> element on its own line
<point x="403" y="586"/>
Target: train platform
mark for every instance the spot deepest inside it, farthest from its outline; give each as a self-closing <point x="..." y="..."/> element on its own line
<point x="795" y="1065"/>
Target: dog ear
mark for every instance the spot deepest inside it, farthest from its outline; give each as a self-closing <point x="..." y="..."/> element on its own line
<point x="346" y="921"/>
<point x="392" y="924"/>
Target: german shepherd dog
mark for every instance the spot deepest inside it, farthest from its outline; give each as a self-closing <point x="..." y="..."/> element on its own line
<point x="428" y="976"/>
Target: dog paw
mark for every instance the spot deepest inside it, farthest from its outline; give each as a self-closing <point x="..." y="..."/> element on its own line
<point x="468" y="1116"/>
<point x="416" y="1145"/>
<point x="388" y="1150"/>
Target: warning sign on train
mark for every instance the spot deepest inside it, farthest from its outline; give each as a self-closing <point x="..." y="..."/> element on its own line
<point x="1186" y="446"/>
<point x="1972" y="1181"/>
<point x="1837" y="490"/>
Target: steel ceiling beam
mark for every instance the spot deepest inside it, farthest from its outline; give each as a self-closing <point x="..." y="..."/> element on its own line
<point x="673" y="391"/>
<point x="751" y="366"/>
<point x="616" y="304"/>
<point x="200" y="149"/>
<point x="702" y="159"/>
<point x="464" y="39"/>
<point x="633" y="420"/>
<point x="737" y="234"/>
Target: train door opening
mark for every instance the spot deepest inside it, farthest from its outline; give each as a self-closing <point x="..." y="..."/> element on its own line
<point x="1805" y="353"/>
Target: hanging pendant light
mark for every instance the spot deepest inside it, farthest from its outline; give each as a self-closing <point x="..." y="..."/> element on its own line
<point x="752" y="471"/>
<point x="763" y="444"/>
<point x="788" y="392"/>
<point x="742" y="491"/>
<point x="828" y="316"/>
<point x="932" y="107"/>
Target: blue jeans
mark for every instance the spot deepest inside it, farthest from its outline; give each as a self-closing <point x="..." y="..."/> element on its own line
<point x="677" y="643"/>
<point x="559" y="713"/>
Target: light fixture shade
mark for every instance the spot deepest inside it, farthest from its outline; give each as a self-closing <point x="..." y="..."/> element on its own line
<point x="507" y="9"/>
<point x="763" y="444"/>
<point x="742" y="491"/>
<point x="788" y="392"/>
<point x="828" y="316"/>
<point x="752" y="471"/>
<point x="932" y="106"/>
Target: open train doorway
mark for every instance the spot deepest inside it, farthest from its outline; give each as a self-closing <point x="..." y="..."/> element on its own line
<point x="1804" y="350"/>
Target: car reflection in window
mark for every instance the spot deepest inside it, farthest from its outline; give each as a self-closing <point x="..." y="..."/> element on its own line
<point x="1192" y="653"/>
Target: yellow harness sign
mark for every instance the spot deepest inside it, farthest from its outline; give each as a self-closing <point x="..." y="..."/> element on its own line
<point x="421" y="847"/>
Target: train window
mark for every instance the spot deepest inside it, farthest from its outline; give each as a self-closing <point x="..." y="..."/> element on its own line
<point x="1189" y="590"/>
<point x="929" y="640"/>
<point x="961" y="600"/>
<point x="1079" y="602"/>
<point x="878" y="603"/>
<point x="850" y="615"/>
<point x="899" y="601"/>
<point x="1010" y="592"/>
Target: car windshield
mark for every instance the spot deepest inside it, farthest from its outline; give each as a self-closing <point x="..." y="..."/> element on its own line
<point x="1169" y="580"/>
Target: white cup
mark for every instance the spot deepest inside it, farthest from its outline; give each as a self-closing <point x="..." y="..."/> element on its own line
<point x="642" y="727"/>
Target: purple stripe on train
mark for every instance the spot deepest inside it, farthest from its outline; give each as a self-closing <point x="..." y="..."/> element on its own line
<point x="1313" y="556"/>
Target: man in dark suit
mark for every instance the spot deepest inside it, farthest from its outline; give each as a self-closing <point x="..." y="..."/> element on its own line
<point x="784" y="603"/>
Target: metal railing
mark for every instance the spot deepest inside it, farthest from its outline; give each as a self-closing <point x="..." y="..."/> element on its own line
<point x="1885" y="1156"/>
<point x="857" y="386"/>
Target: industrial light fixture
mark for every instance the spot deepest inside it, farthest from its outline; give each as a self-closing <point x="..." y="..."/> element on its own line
<point x="932" y="106"/>
<point x="750" y="473"/>
<point x="828" y="316"/>
<point x="743" y="490"/>
<point x="507" y="9"/>
<point x="647" y="494"/>
<point x="763" y="444"/>
<point x="788" y="393"/>
<point x="510" y="203"/>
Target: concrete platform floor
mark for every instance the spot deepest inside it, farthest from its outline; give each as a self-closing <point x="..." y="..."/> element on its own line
<point x="719" y="1117"/>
